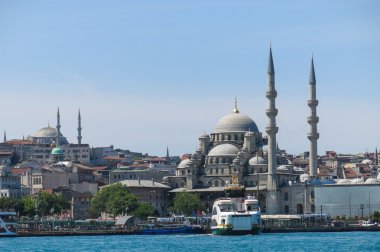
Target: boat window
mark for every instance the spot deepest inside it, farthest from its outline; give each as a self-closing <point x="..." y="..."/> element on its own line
<point x="226" y="207"/>
<point x="214" y="212"/>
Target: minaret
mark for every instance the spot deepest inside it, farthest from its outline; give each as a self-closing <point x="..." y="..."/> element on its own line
<point x="376" y="157"/>
<point x="271" y="129"/>
<point x="58" y="127"/>
<point x="79" y="128"/>
<point x="5" y="136"/>
<point x="167" y="154"/>
<point x="313" y="120"/>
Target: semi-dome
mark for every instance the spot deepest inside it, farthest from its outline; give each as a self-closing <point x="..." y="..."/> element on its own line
<point x="257" y="161"/>
<point x="224" y="150"/>
<point x="235" y="122"/>
<point x="56" y="151"/>
<point x="367" y="161"/>
<point x="184" y="163"/>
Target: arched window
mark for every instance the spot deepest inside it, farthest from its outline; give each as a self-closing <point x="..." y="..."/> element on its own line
<point x="299" y="209"/>
<point x="229" y="137"/>
<point x="216" y="183"/>
<point x="287" y="209"/>
<point x="312" y="195"/>
<point x="313" y="208"/>
<point x="286" y="196"/>
<point x="209" y="183"/>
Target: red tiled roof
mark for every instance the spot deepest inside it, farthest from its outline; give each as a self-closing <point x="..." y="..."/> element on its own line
<point x="19" y="171"/>
<point x="18" y="142"/>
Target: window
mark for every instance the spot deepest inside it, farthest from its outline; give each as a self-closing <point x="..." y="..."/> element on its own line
<point x="286" y="196"/>
<point x="287" y="209"/>
<point x="216" y="183"/>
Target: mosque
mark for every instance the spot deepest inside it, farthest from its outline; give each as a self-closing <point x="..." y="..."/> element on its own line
<point x="238" y="147"/>
<point x="49" y="145"/>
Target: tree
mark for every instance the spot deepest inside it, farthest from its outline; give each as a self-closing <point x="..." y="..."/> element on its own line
<point x="144" y="210"/>
<point x="29" y="206"/>
<point x="113" y="199"/>
<point x="10" y="203"/>
<point x="187" y="203"/>
<point x="48" y="204"/>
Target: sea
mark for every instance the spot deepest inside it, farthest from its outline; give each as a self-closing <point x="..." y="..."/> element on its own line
<point x="341" y="241"/>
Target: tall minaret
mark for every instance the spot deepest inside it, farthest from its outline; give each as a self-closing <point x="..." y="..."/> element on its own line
<point x="5" y="136"/>
<point x="376" y="157"/>
<point x="58" y="127"/>
<point x="271" y="129"/>
<point x="79" y="128"/>
<point x="313" y="120"/>
<point x="167" y="154"/>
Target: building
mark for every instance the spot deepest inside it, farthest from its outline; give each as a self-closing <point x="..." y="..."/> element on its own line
<point x="236" y="146"/>
<point x="10" y="186"/>
<point x="39" y="146"/>
<point x="149" y="191"/>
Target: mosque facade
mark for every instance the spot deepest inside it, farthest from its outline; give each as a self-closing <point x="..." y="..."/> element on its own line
<point x="49" y="145"/>
<point x="237" y="147"/>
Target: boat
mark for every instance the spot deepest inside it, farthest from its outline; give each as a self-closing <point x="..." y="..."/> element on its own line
<point x="8" y="224"/>
<point x="169" y="225"/>
<point x="235" y="214"/>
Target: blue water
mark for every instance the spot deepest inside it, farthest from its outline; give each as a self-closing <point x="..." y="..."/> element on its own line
<point x="350" y="241"/>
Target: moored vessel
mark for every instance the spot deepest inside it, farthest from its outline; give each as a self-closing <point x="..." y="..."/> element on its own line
<point x="8" y="224"/>
<point x="236" y="214"/>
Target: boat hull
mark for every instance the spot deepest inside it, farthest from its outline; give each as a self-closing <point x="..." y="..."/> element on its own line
<point x="230" y="231"/>
<point x="177" y="230"/>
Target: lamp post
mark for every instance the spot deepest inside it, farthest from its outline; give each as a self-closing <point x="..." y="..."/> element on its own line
<point x="361" y="208"/>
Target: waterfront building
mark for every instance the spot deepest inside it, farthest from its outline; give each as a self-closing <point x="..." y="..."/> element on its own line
<point x="149" y="191"/>
<point x="236" y="146"/>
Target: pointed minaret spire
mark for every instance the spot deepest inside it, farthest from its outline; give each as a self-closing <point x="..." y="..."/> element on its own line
<point x="236" y="110"/>
<point x="167" y="154"/>
<point x="79" y="128"/>
<point x="5" y="136"/>
<point x="313" y="120"/>
<point x="376" y="158"/>
<point x="272" y="128"/>
<point x="270" y="62"/>
<point x="58" y="127"/>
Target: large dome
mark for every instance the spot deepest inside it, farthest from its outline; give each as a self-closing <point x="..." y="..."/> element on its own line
<point x="223" y="150"/>
<point x="235" y="122"/>
<point x="46" y="132"/>
<point x="47" y="135"/>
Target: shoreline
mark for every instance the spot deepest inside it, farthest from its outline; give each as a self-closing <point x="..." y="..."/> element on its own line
<point x="127" y="232"/>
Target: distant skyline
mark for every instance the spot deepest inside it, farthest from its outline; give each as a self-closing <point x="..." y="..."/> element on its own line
<point x="151" y="74"/>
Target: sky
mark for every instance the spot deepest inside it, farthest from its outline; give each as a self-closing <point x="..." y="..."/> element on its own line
<point x="151" y="74"/>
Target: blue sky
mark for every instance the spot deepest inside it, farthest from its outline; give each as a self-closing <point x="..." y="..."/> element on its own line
<point x="147" y="74"/>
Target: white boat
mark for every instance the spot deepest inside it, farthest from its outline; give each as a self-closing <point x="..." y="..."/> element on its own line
<point x="236" y="214"/>
<point x="8" y="224"/>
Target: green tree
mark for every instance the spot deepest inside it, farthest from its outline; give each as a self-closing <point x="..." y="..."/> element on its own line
<point x="113" y="199"/>
<point x="187" y="203"/>
<point x="29" y="206"/>
<point x="144" y="210"/>
<point x="11" y="203"/>
<point x="51" y="203"/>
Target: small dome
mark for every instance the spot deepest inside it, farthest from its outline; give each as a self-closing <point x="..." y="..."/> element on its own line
<point x="224" y="150"/>
<point x="265" y="148"/>
<point x="357" y="181"/>
<point x="57" y="151"/>
<point x="367" y="161"/>
<point x="257" y="161"/>
<point x="343" y="181"/>
<point x="235" y="122"/>
<point x="371" y="181"/>
<point x="184" y="163"/>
